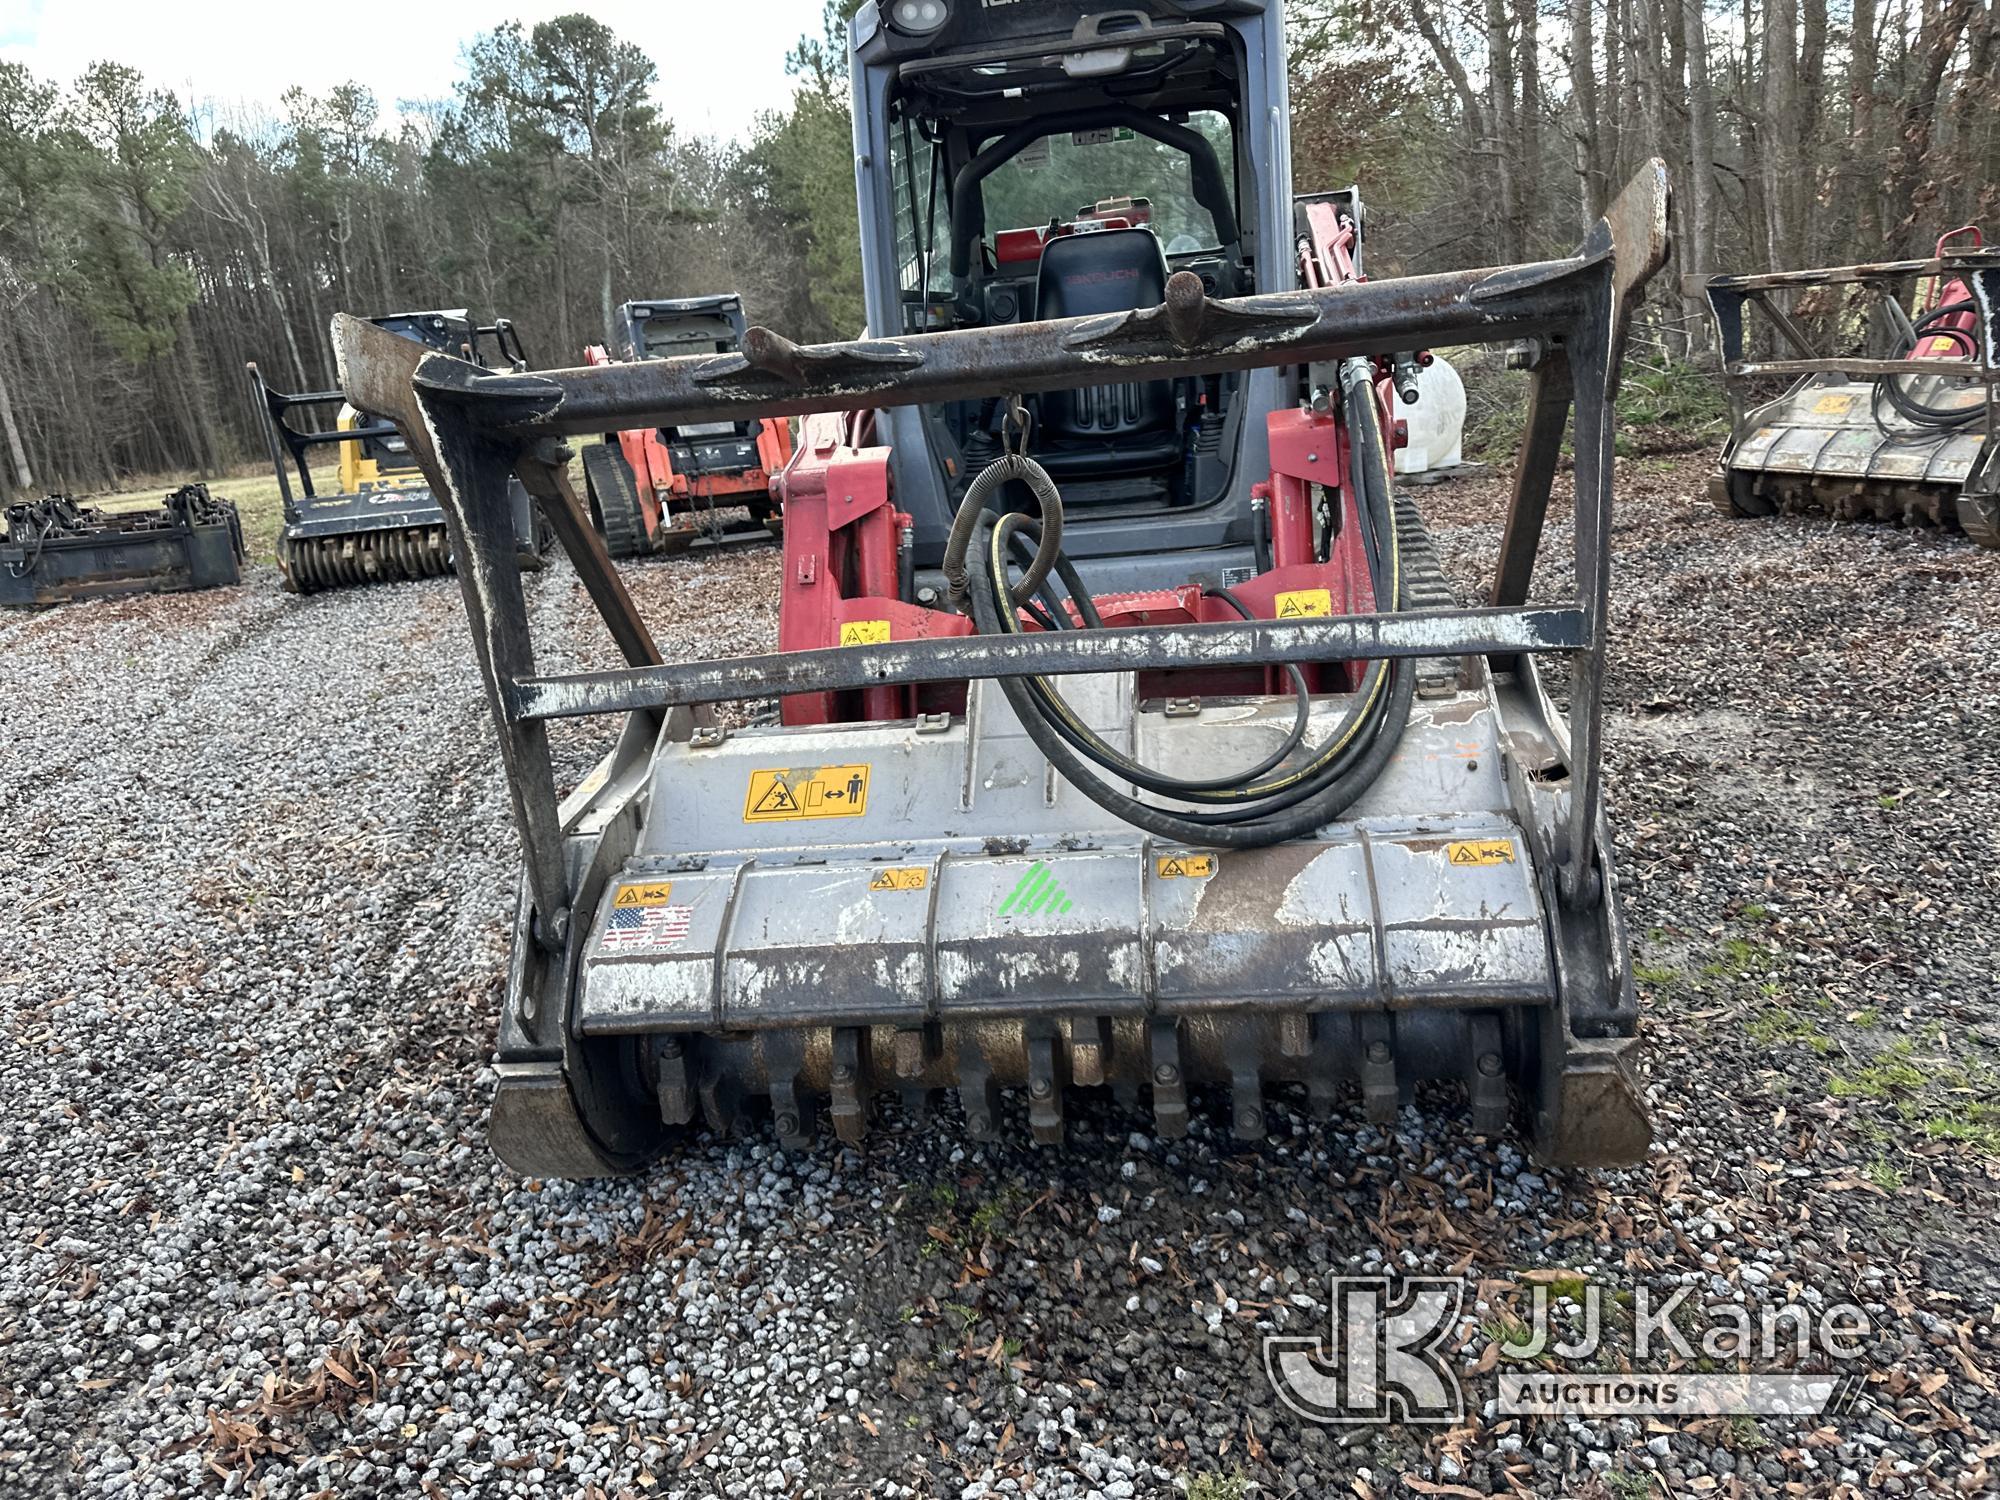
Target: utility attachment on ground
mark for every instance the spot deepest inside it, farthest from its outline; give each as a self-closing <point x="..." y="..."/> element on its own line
<point x="55" y="550"/>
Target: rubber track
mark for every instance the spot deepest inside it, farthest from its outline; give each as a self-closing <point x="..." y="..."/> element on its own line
<point x="1424" y="587"/>
<point x="614" y="499"/>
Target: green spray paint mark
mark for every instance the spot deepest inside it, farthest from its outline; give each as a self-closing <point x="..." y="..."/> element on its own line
<point x="1035" y="891"/>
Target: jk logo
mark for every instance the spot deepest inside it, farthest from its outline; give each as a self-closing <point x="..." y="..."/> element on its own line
<point x="1385" y="1359"/>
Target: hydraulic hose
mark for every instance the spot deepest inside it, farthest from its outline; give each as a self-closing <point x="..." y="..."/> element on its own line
<point x="1010" y="465"/>
<point x="1249" y="812"/>
<point x="1914" y="411"/>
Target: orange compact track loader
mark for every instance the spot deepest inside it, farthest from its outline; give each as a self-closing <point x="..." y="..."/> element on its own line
<point x="666" y="489"/>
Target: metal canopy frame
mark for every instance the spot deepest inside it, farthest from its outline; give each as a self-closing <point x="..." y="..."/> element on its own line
<point x="471" y="429"/>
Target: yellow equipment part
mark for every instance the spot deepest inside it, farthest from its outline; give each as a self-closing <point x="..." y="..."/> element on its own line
<point x="368" y="464"/>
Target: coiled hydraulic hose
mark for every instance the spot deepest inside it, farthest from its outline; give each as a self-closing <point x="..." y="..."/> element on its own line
<point x="1246" y="808"/>
<point x="1891" y="388"/>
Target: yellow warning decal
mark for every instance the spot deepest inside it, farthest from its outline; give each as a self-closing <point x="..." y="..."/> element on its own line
<point x="1185" y="866"/>
<point x="1833" y="406"/>
<point x="819" y="792"/>
<point x="900" y="878"/>
<point x="653" y="893"/>
<point x="865" y="633"/>
<point x="1482" y="852"/>
<point x="1298" y="604"/>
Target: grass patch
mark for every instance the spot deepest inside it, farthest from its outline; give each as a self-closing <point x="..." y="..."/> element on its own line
<point x="1684" y="400"/>
<point x="1891" y="1073"/>
<point x="1745" y="1436"/>
<point x="1684" y="396"/>
<point x="1975" y="1123"/>
<point x="1737" y="956"/>
<point x="253" y="488"/>
<point x="1215" y="1486"/>
<point x="990" y="1220"/>
<point x="1939" y="1098"/>
<point x="1777" y="1026"/>
<point x="1657" y="976"/>
<point x="1884" y="1176"/>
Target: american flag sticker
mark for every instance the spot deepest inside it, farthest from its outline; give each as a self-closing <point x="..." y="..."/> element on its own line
<point x="646" y="929"/>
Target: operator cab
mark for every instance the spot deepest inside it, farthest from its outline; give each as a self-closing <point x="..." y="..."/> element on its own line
<point x="669" y="326"/>
<point x="1046" y="164"/>
<point x="380" y="458"/>
<point x="666" y="327"/>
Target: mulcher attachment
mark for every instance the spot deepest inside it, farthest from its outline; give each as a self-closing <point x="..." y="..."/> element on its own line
<point x="312" y="563"/>
<point x="796" y="921"/>
<point x="1909" y="439"/>
<point x="55" y="550"/>
<point x="383" y="524"/>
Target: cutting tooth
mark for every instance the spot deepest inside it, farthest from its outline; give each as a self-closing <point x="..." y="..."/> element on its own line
<point x="1244" y="1045"/>
<point x="1486" y="1080"/>
<point x="849" y="1085"/>
<point x="1169" y="1078"/>
<point x="979" y="1094"/>
<point x="792" y="1109"/>
<point x="1045" y="1082"/>
<point x="676" y="1097"/>
<point x="1380" y="1096"/>
<point x="917" y="1047"/>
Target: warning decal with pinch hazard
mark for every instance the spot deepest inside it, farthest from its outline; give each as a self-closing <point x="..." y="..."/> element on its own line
<point x="1302" y="604"/>
<point x="1482" y="852"/>
<point x="647" y="893"/>
<point x="813" y="792"/>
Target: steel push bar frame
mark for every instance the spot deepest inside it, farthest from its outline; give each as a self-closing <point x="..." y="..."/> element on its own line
<point x="471" y="429"/>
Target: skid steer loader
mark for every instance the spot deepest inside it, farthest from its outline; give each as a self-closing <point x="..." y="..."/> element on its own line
<point x="664" y="489"/>
<point x="384" y="523"/>
<point x="1129" y="735"/>
<point x="1908" y="438"/>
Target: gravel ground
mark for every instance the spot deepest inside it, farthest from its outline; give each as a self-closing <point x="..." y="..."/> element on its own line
<point x="258" y="871"/>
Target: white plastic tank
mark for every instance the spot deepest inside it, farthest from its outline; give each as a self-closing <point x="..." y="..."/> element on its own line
<point x="1437" y="421"/>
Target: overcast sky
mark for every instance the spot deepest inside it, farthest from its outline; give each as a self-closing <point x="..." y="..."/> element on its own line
<point x="720" y="61"/>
